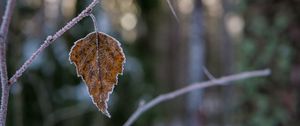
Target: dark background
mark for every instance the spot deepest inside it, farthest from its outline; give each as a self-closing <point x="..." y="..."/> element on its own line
<point x="224" y="36"/>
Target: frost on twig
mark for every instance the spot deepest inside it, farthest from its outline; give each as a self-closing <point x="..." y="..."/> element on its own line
<point x="193" y="87"/>
<point x="3" y="67"/>
<point x="50" y="39"/>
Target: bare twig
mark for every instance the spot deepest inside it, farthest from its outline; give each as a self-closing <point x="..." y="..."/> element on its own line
<point x="3" y="67"/>
<point x="50" y="39"/>
<point x="10" y="5"/>
<point x="172" y="10"/>
<point x="192" y="87"/>
<point x="208" y="74"/>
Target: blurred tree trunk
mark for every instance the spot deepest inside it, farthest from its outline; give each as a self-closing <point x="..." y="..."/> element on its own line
<point x="184" y="48"/>
<point x="172" y="69"/>
<point x="172" y="66"/>
<point x="227" y="59"/>
<point x="196" y="50"/>
<point x="218" y="100"/>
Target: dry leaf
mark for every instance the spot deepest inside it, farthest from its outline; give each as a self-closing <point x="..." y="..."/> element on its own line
<point x="98" y="61"/>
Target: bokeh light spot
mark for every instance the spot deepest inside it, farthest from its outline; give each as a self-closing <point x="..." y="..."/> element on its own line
<point x="128" y="21"/>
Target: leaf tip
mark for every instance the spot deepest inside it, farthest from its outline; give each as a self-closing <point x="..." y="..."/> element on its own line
<point x="106" y="113"/>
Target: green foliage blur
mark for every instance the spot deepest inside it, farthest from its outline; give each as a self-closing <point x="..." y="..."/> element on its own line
<point x="270" y="41"/>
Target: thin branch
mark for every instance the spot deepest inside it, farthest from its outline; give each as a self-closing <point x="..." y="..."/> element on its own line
<point x="3" y="67"/>
<point x="193" y="87"/>
<point x="4" y="103"/>
<point x="5" y="86"/>
<point x="208" y="74"/>
<point x="66" y="113"/>
<point x="172" y="10"/>
<point x="50" y="39"/>
<point x="10" y="5"/>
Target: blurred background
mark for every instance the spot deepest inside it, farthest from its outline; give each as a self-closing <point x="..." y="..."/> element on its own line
<point x="163" y="54"/>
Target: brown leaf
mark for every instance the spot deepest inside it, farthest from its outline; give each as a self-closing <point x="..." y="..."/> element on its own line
<point x="98" y="61"/>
